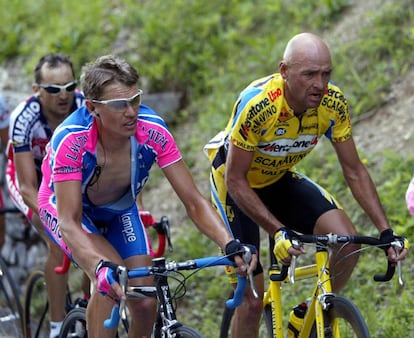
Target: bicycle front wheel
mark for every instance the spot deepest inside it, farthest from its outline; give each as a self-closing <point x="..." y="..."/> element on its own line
<point x="74" y="324"/>
<point x="185" y="332"/>
<point x="36" y="306"/>
<point x="351" y="324"/>
<point x="267" y="317"/>
<point x="11" y="313"/>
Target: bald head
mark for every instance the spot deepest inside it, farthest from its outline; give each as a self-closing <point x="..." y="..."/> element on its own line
<point x="306" y="69"/>
<point x="305" y="46"/>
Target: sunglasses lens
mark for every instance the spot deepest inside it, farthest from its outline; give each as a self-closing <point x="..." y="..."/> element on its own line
<point x="71" y="87"/>
<point x="52" y="89"/>
<point x="136" y="101"/>
<point x="55" y="89"/>
<point x="118" y="104"/>
<point x="122" y="104"/>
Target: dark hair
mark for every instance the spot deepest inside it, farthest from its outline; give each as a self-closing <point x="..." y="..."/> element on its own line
<point x="104" y="71"/>
<point x="53" y="60"/>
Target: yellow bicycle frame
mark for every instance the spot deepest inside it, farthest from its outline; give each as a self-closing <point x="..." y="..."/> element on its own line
<point x="323" y="287"/>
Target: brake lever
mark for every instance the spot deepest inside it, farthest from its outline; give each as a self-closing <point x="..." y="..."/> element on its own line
<point x="247" y="257"/>
<point x="166" y="228"/>
<point x="296" y="245"/>
<point x="398" y="247"/>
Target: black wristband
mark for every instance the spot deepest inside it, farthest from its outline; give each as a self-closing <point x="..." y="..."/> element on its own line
<point x="102" y="264"/>
<point x="99" y="266"/>
<point x="233" y="248"/>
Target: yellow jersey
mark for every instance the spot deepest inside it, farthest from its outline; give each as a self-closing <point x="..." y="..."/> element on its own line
<point x="262" y="122"/>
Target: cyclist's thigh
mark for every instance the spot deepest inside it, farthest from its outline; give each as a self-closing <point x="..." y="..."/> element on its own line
<point x="335" y="221"/>
<point x="243" y="228"/>
<point x="297" y="201"/>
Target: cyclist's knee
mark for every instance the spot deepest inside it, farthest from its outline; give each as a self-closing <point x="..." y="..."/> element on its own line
<point x="253" y="304"/>
<point x="142" y="307"/>
<point x="55" y="251"/>
<point x="334" y="221"/>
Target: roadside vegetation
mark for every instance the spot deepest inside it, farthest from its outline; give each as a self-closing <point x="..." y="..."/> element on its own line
<point x="208" y="51"/>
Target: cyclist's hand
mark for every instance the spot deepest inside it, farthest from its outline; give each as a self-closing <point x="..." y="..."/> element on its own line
<point x="397" y="246"/>
<point x="107" y="280"/>
<point x="146" y="218"/>
<point x="235" y="250"/>
<point x="284" y="249"/>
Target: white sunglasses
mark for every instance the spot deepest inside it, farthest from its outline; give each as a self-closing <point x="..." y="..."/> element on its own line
<point x="122" y="104"/>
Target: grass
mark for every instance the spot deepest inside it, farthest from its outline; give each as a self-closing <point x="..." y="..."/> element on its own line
<point x="208" y="51"/>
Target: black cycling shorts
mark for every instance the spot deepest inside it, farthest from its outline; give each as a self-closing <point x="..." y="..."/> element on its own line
<point x="295" y="200"/>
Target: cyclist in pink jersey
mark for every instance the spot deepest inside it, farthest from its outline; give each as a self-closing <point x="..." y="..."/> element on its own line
<point x="32" y="123"/>
<point x="97" y="161"/>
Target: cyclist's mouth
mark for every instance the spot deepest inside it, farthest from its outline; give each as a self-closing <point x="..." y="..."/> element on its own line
<point x="315" y="97"/>
<point x="131" y="125"/>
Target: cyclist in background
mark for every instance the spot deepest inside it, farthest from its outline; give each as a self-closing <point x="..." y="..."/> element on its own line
<point x="97" y="162"/>
<point x="32" y="123"/>
<point x="276" y="121"/>
<point x="409" y="197"/>
<point x="4" y="137"/>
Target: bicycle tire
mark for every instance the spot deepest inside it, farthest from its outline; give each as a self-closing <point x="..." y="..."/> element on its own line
<point x="351" y="322"/>
<point x="184" y="331"/>
<point x="36" y="306"/>
<point x="11" y="311"/>
<point x="267" y="317"/>
<point x="74" y="324"/>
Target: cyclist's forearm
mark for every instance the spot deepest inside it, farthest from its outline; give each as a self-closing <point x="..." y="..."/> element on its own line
<point x="84" y="250"/>
<point x="364" y="191"/>
<point x="209" y="223"/>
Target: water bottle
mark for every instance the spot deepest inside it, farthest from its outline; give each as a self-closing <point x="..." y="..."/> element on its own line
<point x="296" y="320"/>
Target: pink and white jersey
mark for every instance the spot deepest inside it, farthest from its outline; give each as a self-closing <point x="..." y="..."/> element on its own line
<point x="71" y="154"/>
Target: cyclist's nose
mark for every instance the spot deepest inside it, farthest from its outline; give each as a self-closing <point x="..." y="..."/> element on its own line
<point x="63" y="94"/>
<point x="131" y="110"/>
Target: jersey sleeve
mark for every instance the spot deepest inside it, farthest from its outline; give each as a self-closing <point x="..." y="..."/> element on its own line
<point x="22" y="119"/>
<point x="66" y="155"/>
<point x="340" y="122"/>
<point x="153" y="132"/>
<point x="245" y="127"/>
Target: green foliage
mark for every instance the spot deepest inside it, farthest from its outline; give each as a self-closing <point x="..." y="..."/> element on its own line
<point x="366" y="66"/>
<point x="83" y="30"/>
<point x="209" y="51"/>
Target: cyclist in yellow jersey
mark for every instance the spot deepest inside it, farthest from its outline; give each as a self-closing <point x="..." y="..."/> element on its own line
<point x="276" y="121"/>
